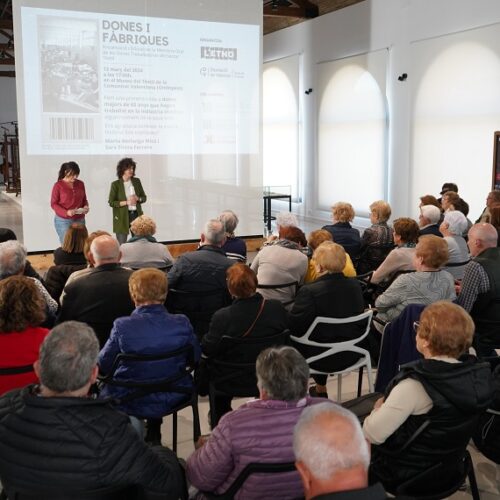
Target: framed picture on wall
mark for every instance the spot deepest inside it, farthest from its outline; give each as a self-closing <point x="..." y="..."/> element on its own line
<point x="495" y="182"/>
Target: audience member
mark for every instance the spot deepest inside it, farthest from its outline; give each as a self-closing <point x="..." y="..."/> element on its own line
<point x="71" y="251"/>
<point x="282" y="263"/>
<point x="13" y="258"/>
<point x="150" y="329"/>
<point x="259" y="431"/>
<point x="9" y="235"/>
<point x="200" y="277"/>
<point x="428" y="220"/>
<point x="429" y="199"/>
<point x="142" y="249"/>
<point x="75" y="442"/>
<point x="101" y="296"/>
<point x="342" y="231"/>
<point x="447" y="387"/>
<point x="332" y="455"/>
<point x="249" y="316"/>
<point x="377" y="240"/>
<point x="462" y="206"/>
<point x="449" y="201"/>
<point x="492" y="199"/>
<point x="480" y="289"/>
<point x="447" y="187"/>
<point x="495" y="219"/>
<point x="234" y="247"/>
<point x="86" y="252"/>
<point x="22" y="311"/>
<point x="452" y="228"/>
<point x="283" y="220"/>
<point x="401" y="258"/>
<point x="331" y="295"/>
<point x="314" y="241"/>
<point x="427" y="285"/>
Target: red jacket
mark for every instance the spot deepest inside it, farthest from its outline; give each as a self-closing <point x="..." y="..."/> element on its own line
<point x="19" y="349"/>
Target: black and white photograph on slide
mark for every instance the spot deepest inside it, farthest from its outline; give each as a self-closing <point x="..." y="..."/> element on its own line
<point x="68" y="51"/>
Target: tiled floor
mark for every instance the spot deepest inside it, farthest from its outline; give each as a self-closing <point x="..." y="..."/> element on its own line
<point x="487" y="473"/>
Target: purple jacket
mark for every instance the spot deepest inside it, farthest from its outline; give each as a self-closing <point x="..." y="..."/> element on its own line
<point x="259" y="431"/>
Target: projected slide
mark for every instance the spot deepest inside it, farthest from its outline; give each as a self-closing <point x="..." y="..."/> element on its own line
<point x="113" y="84"/>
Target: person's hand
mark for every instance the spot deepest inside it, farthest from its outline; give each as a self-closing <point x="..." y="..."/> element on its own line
<point x="378" y="403"/>
<point x="70" y="212"/>
<point x="132" y="200"/>
<point x="458" y="286"/>
<point x="201" y="441"/>
<point x="271" y="238"/>
<point x="86" y="209"/>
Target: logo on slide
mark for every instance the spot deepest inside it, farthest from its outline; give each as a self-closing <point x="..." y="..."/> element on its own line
<point x="219" y="53"/>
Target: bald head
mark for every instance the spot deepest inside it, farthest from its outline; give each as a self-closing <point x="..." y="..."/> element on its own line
<point x="330" y="450"/>
<point x="481" y="237"/>
<point x="105" y="250"/>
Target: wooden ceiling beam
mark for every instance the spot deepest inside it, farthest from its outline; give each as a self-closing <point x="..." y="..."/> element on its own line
<point x="303" y="10"/>
<point x="7" y="61"/>
<point x="6" y="24"/>
<point x="10" y="74"/>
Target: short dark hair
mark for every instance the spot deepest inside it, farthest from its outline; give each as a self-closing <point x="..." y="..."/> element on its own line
<point x="407" y="229"/>
<point x="294" y="234"/>
<point x="124" y="164"/>
<point x="70" y="167"/>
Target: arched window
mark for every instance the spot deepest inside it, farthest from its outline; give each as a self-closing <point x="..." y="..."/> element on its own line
<point x="456" y="109"/>
<point x="281" y="123"/>
<point x="352" y="129"/>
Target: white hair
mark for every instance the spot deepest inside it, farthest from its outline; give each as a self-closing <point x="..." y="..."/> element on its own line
<point x="287" y="219"/>
<point x="457" y="222"/>
<point x="323" y="451"/>
<point x="12" y="258"/>
<point x="431" y="212"/>
<point x="214" y="232"/>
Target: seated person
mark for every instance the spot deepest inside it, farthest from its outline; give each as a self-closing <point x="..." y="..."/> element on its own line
<point x="150" y="329"/>
<point x="427" y="285"/>
<point x="428" y="220"/>
<point x="76" y="443"/>
<point x="332" y="455"/>
<point x="234" y="247"/>
<point x="429" y="199"/>
<point x="249" y="316"/>
<point x="449" y="201"/>
<point x="342" y="231"/>
<point x="448" y="387"/>
<point x="315" y="239"/>
<point x="377" y="240"/>
<point x="492" y="199"/>
<point x="401" y="258"/>
<point x="71" y="251"/>
<point x="281" y="263"/>
<point x="453" y="226"/>
<point x="22" y="311"/>
<point x="259" y="431"/>
<point x="142" y="250"/>
<point x="331" y="295"/>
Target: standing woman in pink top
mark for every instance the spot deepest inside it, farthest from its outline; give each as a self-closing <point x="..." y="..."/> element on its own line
<point x="68" y="199"/>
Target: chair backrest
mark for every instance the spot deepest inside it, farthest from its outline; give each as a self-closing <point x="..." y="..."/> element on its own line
<point x="108" y="493"/>
<point x="142" y="388"/>
<point x="16" y="370"/>
<point x="332" y="348"/>
<point x="250" y="469"/>
<point x="237" y="378"/>
<point x="279" y="286"/>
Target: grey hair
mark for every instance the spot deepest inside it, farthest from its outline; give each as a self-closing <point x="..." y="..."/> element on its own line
<point x="326" y="452"/>
<point x="230" y="220"/>
<point x="109" y="248"/>
<point x="457" y="222"/>
<point x="214" y="232"/>
<point x="283" y="373"/>
<point x="12" y="258"/>
<point x="67" y="357"/>
<point x="287" y="219"/>
<point x="431" y="212"/>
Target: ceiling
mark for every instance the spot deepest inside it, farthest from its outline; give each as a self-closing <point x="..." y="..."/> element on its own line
<point x="278" y="14"/>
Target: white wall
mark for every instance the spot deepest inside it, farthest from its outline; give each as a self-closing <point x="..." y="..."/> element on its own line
<point x="364" y="27"/>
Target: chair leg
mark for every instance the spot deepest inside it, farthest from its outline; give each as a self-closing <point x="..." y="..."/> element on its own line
<point x="360" y="380"/>
<point x="369" y="375"/>
<point x="196" y="419"/>
<point x="339" y="388"/>
<point x="472" y="477"/>
<point x="174" y="432"/>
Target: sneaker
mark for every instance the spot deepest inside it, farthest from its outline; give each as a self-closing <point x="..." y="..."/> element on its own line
<point x="313" y="393"/>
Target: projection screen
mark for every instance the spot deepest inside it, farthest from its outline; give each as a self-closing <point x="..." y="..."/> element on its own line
<point x="173" y="84"/>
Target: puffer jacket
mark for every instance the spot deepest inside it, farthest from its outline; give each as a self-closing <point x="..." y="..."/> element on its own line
<point x="259" y="431"/>
<point x="149" y="330"/>
<point x="77" y="443"/>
